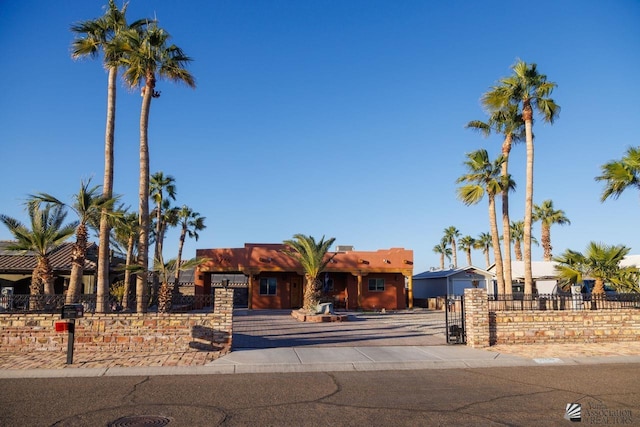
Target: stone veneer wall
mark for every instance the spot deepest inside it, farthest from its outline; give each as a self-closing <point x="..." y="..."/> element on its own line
<point x="119" y="332"/>
<point x="486" y="328"/>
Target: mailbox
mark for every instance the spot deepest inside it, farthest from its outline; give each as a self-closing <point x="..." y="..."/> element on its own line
<point x="72" y="311"/>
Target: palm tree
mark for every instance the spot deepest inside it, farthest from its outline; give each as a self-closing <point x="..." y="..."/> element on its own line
<point x="451" y="234"/>
<point x="443" y="250"/>
<point x="88" y="204"/>
<point x="46" y="234"/>
<point x="484" y="177"/>
<point x="600" y="262"/>
<point x="508" y="122"/>
<point x="621" y="174"/>
<point x="547" y="215"/>
<point x="517" y="234"/>
<point x="162" y="190"/>
<point x="126" y="233"/>
<point x="150" y="57"/>
<point x="530" y="90"/>
<point x="190" y="223"/>
<point x="104" y="34"/>
<point x="168" y="271"/>
<point x="313" y="258"/>
<point x="484" y="242"/>
<point x="466" y="244"/>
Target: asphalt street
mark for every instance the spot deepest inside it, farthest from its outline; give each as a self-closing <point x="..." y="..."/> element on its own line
<point x="609" y="394"/>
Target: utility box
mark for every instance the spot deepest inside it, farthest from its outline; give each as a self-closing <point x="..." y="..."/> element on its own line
<point x="72" y="311"/>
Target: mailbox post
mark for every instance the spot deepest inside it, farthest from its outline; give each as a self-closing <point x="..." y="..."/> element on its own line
<point x="71" y="312"/>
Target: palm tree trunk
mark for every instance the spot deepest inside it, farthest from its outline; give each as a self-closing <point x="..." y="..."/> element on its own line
<point x="442" y="261"/>
<point x="143" y="197"/>
<point x="107" y="193"/>
<point x="487" y="261"/>
<point x="545" y="236"/>
<point x="495" y="238"/>
<point x="527" y="116"/>
<point x="157" y="252"/>
<point x="506" y="227"/>
<point x="517" y="247"/>
<point x="77" y="264"/>
<point x="127" y="274"/>
<point x="455" y="253"/>
<point x="310" y="294"/>
<point x="469" y="257"/>
<point x="176" y="279"/>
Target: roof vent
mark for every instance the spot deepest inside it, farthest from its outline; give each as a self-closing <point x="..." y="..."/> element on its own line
<point x="344" y="248"/>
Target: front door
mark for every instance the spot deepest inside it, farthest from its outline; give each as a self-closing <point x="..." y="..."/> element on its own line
<point x="296" y="292"/>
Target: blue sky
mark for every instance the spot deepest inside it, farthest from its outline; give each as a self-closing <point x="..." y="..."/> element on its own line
<point x="336" y="118"/>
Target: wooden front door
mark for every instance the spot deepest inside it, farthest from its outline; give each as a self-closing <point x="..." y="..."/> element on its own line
<point x="296" y="292"/>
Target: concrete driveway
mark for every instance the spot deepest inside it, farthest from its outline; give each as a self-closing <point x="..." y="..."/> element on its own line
<point x="276" y="328"/>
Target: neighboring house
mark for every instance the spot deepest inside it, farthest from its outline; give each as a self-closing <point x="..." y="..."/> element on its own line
<point x="439" y="283"/>
<point x="16" y="268"/>
<point x="545" y="277"/>
<point x="353" y="279"/>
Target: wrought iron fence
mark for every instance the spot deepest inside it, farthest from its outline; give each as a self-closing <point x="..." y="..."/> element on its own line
<point x="53" y="303"/>
<point x="562" y="301"/>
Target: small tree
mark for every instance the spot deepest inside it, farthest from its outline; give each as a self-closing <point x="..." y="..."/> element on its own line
<point x="313" y="258"/>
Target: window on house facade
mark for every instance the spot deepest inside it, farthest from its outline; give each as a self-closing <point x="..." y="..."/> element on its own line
<point x="268" y="286"/>
<point x="376" y="285"/>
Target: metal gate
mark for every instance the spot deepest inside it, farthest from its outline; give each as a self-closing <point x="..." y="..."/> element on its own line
<point x="454" y="315"/>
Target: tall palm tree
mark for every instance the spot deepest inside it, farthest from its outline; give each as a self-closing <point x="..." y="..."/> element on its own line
<point x="126" y="233"/>
<point x="548" y="216"/>
<point x="190" y="223"/>
<point x="483" y="177"/>
<point x="92" y="37"/>
<point x="313" y="258"/>
<point x="530" y="90"/>
<point x="443" y="250"/>
<point x="619" y="175"/>
<point x="484" y="242"/>
<point x="466" y="244"/>
<point x="507" y="122"/>
<point x="46" y="234"/>
<point x="451" y="234"/>
<point x="89" y="205"/>
<point x="600" y="261"/>
<point x="151" y="57"/>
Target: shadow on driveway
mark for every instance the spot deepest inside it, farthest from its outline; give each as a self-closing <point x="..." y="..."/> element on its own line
<point x="276" y="328"/>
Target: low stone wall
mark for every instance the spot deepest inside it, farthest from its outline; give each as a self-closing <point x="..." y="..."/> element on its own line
<point x="120" y="332"/>
<point x="484" y="328"/>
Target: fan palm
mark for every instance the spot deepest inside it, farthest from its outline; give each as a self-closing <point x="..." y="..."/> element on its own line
<point x="507" y="122"/>
<point x="619" y="175"/>
<point x="150" y="57"/>
<point x="88" y="204"/>
<point x="548" y="216"/>
<point x="443" y="250"/>
<point x="483" y="177"/>
<point x="92" y="37"/>
<point x="600" y="262"/>
<point x="46" y="234"/>
<point x="190" y="223"/>
<point x="126" y="233"/>
<point x="484" y="242"/>
<point x="451" y="234"/>
<point x="167" y="272"/>
<point x="313" y="259"/>
<point x="530" y="90"/>
<point x="466" y="244"/>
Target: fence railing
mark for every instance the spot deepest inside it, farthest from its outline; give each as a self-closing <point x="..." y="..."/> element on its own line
<point x="53" y="303"/>
<point x="521" y="302"/>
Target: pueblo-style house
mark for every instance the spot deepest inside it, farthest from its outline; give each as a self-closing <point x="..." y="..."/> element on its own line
<point x="371" y="280"/>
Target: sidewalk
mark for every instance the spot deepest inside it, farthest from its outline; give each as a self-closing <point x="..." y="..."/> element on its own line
<point x="312" y="359"/>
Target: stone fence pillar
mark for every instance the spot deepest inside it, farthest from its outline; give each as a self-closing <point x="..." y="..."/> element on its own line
<point x="476" y="317"/>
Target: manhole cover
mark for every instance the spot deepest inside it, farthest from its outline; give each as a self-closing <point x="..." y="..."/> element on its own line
<point x="141" y="421"/>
